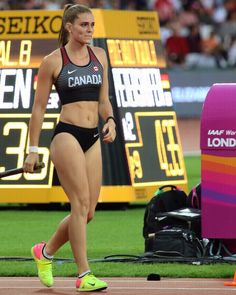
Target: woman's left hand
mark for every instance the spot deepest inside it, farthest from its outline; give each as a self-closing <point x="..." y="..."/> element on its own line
<point x="109" y="131"/>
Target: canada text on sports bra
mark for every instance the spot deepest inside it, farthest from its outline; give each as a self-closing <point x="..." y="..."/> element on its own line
<point x="84" y="80"/>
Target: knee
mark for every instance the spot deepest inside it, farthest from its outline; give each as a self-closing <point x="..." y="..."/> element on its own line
<point x="90" y="215"/>
<point x="80" y="207"/>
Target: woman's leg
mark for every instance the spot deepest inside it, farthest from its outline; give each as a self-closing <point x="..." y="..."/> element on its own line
<point x="93" y="163"/>
<point x="70" y="163"/>
<point x="59" y="238"/>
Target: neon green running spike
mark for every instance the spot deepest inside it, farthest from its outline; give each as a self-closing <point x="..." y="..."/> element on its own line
<point x="90" y="283"/>
<point x="44" y="266"/>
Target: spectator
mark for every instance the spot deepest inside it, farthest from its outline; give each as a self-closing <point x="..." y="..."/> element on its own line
<point x="219" y="14"/>
<point x="228" y="28"/>
<point x="15" y="4"/>
<point x="165" y="9"/>
<point x="188" y="17"/>
<point x="176" y="46"/>
<point x="130" y="5"/>
<point x="230" y="5"/>
<point x="195" y="47"/>
<point x="177" y="5"/>
<point x="203" y="14"/>
<point x="212" y="47"/>
<point x="232" y="54"/>
<point x="4" y="5"/>
<point x="52" y="5"/>
<point x="33" y="4"/>
<point x="84" y="2"/>
<point x="194" y="39"/>
<point x="88" y="3"/>
<point x="116" y="4"/>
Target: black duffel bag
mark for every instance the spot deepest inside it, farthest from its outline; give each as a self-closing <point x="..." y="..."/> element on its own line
<point x="174" y="242"/>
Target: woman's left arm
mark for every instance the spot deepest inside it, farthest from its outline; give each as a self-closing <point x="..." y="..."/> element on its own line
<point x="104" y="107"/>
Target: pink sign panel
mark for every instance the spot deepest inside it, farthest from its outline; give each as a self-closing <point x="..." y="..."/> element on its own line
<point x="218" y="162"/>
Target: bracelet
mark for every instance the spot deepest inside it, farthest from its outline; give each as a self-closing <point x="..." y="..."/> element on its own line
<point x="33" y="149"/>
<point x="110" y="117"/>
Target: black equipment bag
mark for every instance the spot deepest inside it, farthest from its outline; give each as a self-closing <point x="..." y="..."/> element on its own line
<point x="194" y="201"/>
<point x="194" y="197"/>
<point x="174" y="242"/>
<point x="167" y="198"/>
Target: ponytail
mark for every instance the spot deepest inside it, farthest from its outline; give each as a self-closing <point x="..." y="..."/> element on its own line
<point x="63" y="35"/>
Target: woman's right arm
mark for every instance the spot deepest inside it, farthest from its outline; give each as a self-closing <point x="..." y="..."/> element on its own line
<point x="44" y="85"/>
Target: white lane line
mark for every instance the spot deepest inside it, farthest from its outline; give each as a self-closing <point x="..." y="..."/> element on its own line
<point x="31" y="280"/>
<point x="174" y="288"/>
<point x="22" y="287"/>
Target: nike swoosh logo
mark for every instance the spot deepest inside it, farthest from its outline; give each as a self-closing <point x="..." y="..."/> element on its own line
<point x="95" y="135"/>
<point x="70" y="72"/>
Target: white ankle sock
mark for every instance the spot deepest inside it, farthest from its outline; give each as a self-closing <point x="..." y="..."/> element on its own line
<point x="45" y="254"/>
<point x="84" y="273"/>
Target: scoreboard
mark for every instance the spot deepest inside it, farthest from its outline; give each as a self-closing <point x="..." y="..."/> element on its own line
<point x="147" y="152"/>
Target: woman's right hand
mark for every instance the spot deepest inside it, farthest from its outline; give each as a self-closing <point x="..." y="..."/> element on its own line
<point x="31" y="160"/>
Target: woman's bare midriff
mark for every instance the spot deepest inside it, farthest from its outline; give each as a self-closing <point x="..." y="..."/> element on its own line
<point x="82" y="113"/>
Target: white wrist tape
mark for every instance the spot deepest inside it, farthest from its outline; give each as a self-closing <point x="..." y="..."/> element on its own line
<point x="33" y="149"/>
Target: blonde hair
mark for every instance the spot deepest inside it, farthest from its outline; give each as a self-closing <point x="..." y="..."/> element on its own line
<point x="71" y="12"/>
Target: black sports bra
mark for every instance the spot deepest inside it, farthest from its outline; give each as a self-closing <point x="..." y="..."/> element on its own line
<point x="79" y="83"/>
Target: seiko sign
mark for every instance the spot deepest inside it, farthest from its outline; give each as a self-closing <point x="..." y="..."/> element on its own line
<point x="30" y="25"/>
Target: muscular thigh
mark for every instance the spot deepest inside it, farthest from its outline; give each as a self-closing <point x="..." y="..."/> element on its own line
<point x="70" y="163"/>
<point x="94" y="172"/>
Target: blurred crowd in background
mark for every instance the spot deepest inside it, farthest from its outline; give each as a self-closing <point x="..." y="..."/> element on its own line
<point x="195" y="33"/>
